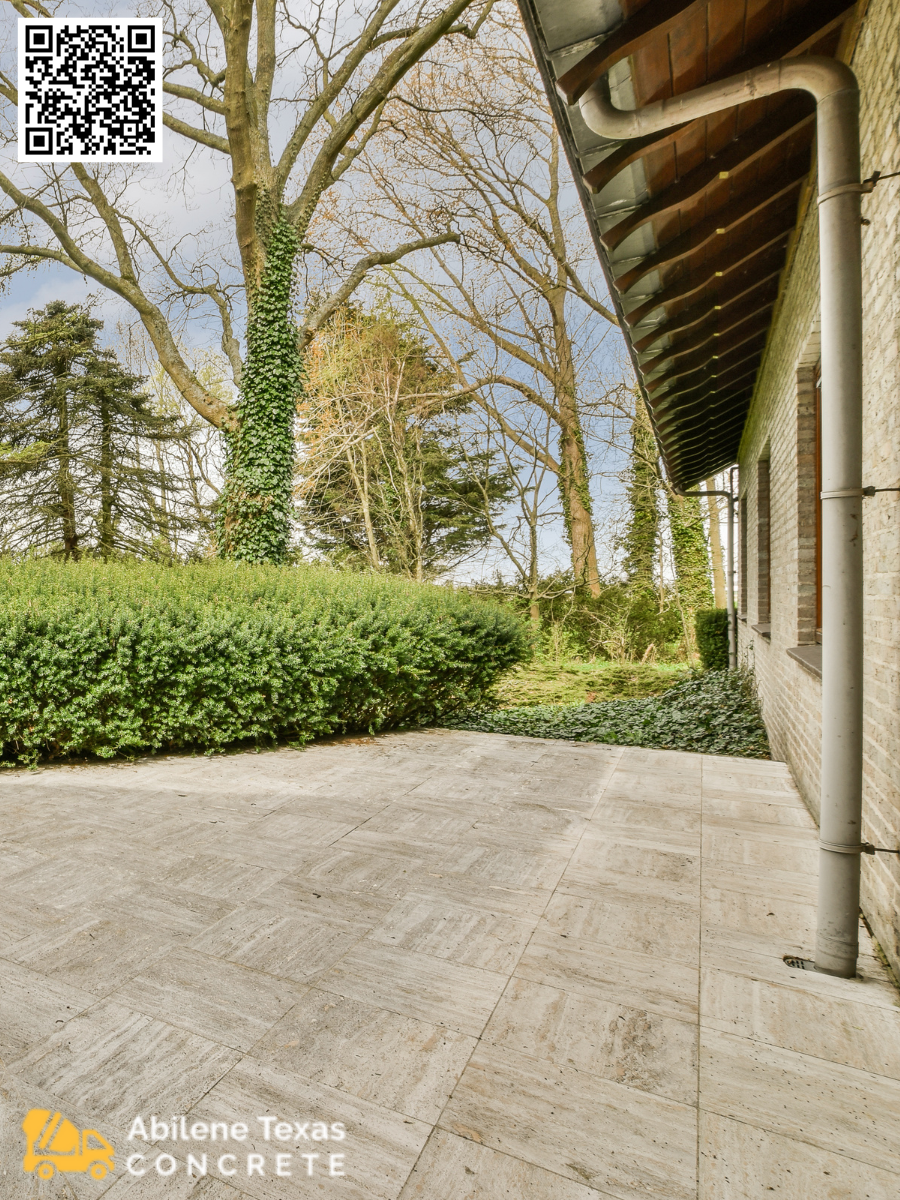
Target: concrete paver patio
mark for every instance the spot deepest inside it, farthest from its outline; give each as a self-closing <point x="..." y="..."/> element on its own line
<point x="508" y="967"/>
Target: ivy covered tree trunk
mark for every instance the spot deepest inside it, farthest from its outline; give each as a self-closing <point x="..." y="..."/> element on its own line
<point x="66" y="481"/>
<point x="690" y="551"/>
<point x="691" y="555"/>
<point x="254" y="519"/>
<point x="642" y="535"/>
<point x="105" y="519"/>
<point x="643" y="628"/>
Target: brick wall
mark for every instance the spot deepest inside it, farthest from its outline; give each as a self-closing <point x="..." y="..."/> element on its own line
<point x="782" y="419"/>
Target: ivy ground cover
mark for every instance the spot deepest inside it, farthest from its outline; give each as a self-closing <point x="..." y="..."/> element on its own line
<point x="111" y="658"/>
<point x="714" y="713"/>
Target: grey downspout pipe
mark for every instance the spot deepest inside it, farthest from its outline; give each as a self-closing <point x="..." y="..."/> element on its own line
<point x="836" y="93"/>
<point x="729" y="591"/>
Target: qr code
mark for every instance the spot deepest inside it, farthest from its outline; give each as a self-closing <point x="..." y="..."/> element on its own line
<point x="90" y="89"/>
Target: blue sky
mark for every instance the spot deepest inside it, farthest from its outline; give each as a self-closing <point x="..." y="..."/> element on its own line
<point x="205" y="196"/>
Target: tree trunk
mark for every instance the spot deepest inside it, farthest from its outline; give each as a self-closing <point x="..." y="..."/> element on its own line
<point x="254" y="516"/>
<point x="576" y="498"/>
<point x="411" y="491"/>
<point x="715" y="547"/>
<point x="65" y="482"/>
<point x="363" y="489"/>
<point x="690" y="553"/>
<point x="642" y="535"/>
<point x="574" y="478"/>
<point x="534" y="608"/>
<point x="106" y="464"/>
<point x="165" y="522"/>
<point x="689" y="550"/>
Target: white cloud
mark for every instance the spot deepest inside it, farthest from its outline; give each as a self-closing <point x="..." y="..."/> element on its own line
<point x="34" y="289"/>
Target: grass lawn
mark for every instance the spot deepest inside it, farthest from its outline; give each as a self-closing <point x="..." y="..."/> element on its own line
<point x="545" y="682"/>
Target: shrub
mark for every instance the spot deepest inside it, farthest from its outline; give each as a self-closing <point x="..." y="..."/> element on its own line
<point x="711" y="627"/>
<point x="102" y="659"/>
<point x="622" y="623"/>
<point x="714" y="713"/>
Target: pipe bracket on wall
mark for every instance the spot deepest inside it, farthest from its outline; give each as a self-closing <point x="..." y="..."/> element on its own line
<point x="862" y="848"/>
<point x="862" y="188"/>
<point x="866" y="491"/>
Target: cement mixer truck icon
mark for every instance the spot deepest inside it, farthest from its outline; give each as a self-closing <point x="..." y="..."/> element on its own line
<point x="54" y="1144"/>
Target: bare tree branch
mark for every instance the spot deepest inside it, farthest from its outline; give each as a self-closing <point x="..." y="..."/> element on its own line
<point x="203" y="137"/>
<point x="187" y="93"/>
<point x="358" y="274"/>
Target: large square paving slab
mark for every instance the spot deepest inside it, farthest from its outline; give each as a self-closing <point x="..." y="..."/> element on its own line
<point x="437" y="965"/>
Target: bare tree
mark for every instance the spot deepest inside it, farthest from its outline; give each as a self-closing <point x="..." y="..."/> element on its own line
<point x="186" y="518"/>
<point x="386" y="480"/>
<point x="517" y="530"/>
<point x="474" y="141"/>
<point x="285" y="101"/>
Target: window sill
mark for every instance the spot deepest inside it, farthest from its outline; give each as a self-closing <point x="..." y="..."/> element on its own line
<point x="763" y="631"/>
<point x="809" y="657"/>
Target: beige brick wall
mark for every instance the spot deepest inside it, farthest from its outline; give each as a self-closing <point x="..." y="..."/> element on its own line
<point x="782" y="425"/>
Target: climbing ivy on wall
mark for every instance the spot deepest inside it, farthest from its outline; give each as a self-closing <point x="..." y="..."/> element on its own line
<point x="255" y="506"/>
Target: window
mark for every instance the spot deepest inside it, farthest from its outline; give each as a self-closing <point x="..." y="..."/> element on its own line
<point x="763" y="547"/>
<point x="742" y="533"/>
<point x="808" y="545"/>
<point x="809" y="513"/>
<point x="818" y="401"/>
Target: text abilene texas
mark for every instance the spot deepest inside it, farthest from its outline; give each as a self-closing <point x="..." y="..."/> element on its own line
<point x="219" y="1147"/>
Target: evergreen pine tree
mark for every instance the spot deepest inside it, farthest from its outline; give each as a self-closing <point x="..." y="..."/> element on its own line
<point x="75" y="473"/>
<point x="129" y="515"/>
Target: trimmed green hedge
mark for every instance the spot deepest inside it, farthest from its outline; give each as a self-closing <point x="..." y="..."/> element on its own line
<point x="711" y="628"/>
<point x="102" y="659"/>
<point x="714" y="713"/>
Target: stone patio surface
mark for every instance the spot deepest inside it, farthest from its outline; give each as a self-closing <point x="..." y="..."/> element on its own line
<point x="508" y="967"/>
